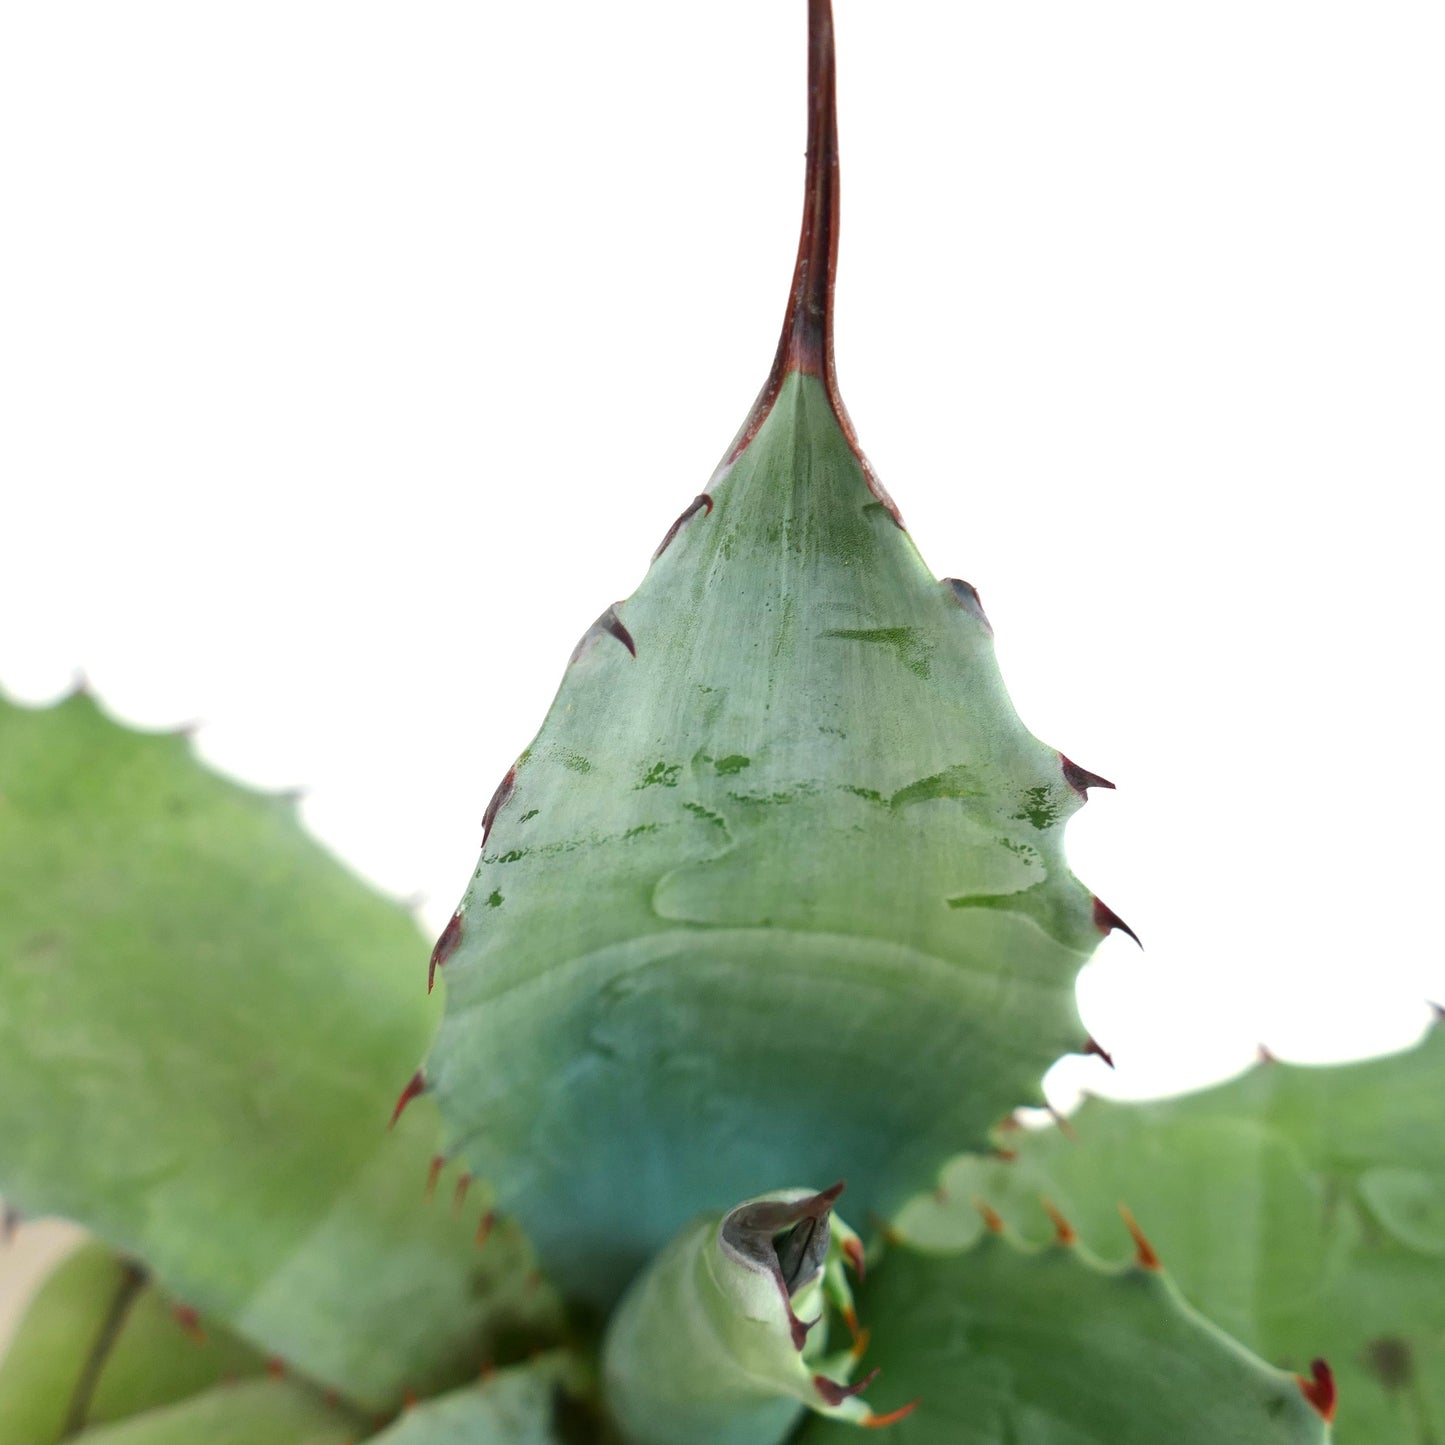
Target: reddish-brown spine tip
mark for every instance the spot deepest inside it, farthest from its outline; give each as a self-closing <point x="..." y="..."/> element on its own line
<point x="484" y="1228"/>
<point x="701" y="502"/>
<point x="1081" y="779"/>
<point x="881" y="1422"/>
<point x="433" y="1173"/>
<point x="488" y="1370"/>
<point x="409" y="1400"/>
<point x="833" y="1393"/>
<point x="189" y="1319"/>
<point x="1320" y="1390"/>
<point x="414" y="1086"/>
<point x="446" y="945"/>
<point x="853" y="1253"/>
<point x="993" y="1220"/>
<point x="1106" y="921"/>
<point x="1145" y="1255"/>
<point x="1064" y="1232"/>
<point x="860" y="1341"/>
<point x="459" y="1194"/>
<point x="1093" y="1046"/>
<point x="497" y="802"/>
<point x="275" y="1366"/>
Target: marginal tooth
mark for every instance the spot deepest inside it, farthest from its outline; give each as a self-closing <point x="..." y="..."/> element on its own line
<point x="1106" y="921"/>
<point x="446" y="945"/>
<point x="966" y="595"/>
<point x="1320" y="1390"/>
<point x="834" y="1394"/>
<point x="459" y="1194"/>
<point x="1064" y="1232"/>
<point x="881" y="1422"/>
<point x="1093" y="1046"/>
<point x="1081" y="779"/>
<point x="189" y="1319"/>
<point x="992" y="1219"/>
<point x="498" y="802"/>
<point x="434" y="1172"/>
<point x="485" y="1226"/>
<point x="414" y="1086"/>
<point x="697" y="504"/>
<point x="1145" y="1255"/>
<point x="853" y="1252"/>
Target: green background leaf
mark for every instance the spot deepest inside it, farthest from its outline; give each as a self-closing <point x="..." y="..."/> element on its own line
<point x="207" y="1023"/>
<point x="1298" y="1207"/>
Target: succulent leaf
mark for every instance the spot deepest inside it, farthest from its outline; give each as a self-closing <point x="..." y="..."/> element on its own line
<point x="276" y="1412"/>
<point x="539" y="1403"/>
<point x="99" y="1343"/>
<point x="1297" y="1206"/>
<point x="721" y="1340"/>
<point x="1000" y="1342"/>
<point x="778" y="892"/>
<point x="206" y="1023"/>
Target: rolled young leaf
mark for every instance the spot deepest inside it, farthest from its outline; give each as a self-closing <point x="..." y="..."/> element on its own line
<point x="720" y="1341"/>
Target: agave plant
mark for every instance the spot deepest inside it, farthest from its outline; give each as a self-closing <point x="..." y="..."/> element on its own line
<point x="772" y="917"/>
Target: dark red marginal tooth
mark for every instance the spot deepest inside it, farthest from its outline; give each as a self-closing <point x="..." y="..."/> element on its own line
<point x="409" y="1400"/>
<point x="1265" y="1055"/>
<point x="611" y="624"/>
<point x="275" y="1366"/>
<point x="967" y="596"/>
<point x="433" y="1173"/>
<point x="189" y="1319"/>
<point x="1093" y="1046"/>
<point x="993" y="1220"/>
<point x="1106" y="921"/>
<point x="881" y="1422"/>
<point x="1081" y="779"/>
<point x="498" y="802"/>
<point x="853" y="1252"/>
<point x="1064" y="1232"/>
<point x="1145" y="1255"/>
<point x="1320" y="1390"/>
<point x="834" y="1394"/>
<point x="459" y="1194"/>
<point x="446" y="945"/>
<point x="485" y="1225"/>
<point x="702" y="500"/>
<point x="860" y="1341"/>
<point x="414" y="1086"/>
<point x="799" y="1329"/>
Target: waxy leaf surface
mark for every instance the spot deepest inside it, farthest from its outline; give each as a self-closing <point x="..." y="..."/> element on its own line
<point x="777" y="893"/>
<point x="1301" y="1208"/>
<point x="206" y="1023"/>
<point x="1002" y="1345"/>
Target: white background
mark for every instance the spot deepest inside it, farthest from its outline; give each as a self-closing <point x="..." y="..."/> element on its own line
<point x="355" y="355"/>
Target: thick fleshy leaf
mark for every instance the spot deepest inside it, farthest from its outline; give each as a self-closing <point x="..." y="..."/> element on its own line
<point x="99" y="1343"/>
<point x="251" y="1412"/>
<point x="206" y="1023"/>
<point x="720" y="1340"/>
<point x="1004" y="1344"/>
<point x="539" y="1403"/>
<point x="1302" y="1208"/>
<point x="778" y="892"/>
